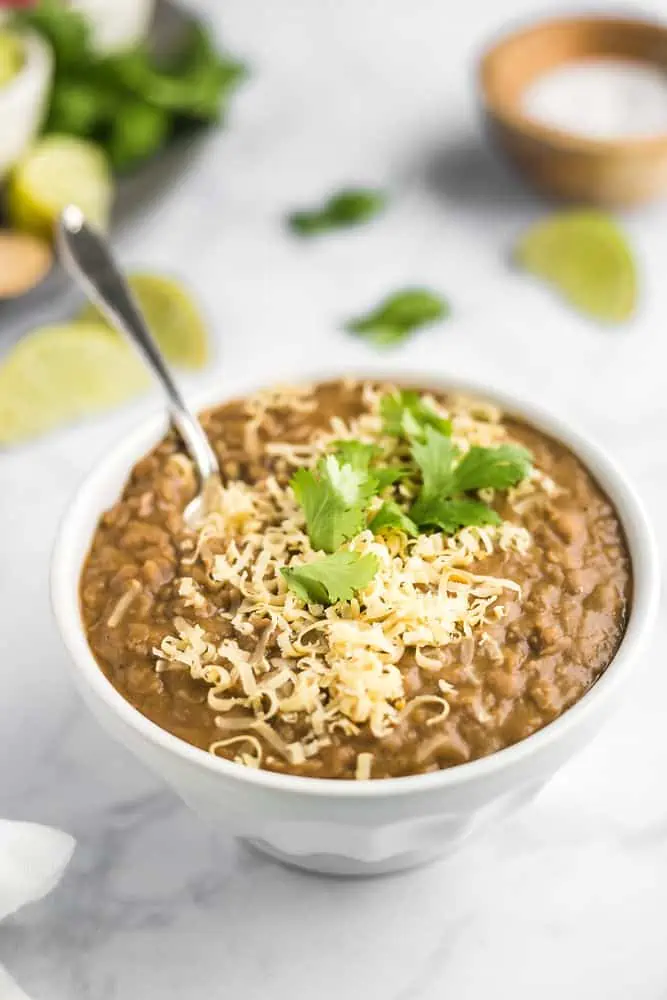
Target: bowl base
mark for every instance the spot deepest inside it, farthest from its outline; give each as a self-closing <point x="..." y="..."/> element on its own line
<point x="337" y="864"/>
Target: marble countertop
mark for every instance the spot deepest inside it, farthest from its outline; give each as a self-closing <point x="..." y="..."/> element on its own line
<point x="568" y="898"/>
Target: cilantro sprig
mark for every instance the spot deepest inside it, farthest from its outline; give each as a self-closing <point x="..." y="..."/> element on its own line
<point x="350" y="207"/>
<point x="447" y="477"/>
<point x="333" y="578"/>
<point x="397" y="317"/>
<point x="406" y="414"/>
<point x="336" y="495"/>
<point x="334" y="498"/>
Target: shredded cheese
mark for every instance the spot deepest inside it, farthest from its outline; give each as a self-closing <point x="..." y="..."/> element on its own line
<point x="364" y="765"/>
<point x="337" y="669"/>
<point x="123" y="603"/>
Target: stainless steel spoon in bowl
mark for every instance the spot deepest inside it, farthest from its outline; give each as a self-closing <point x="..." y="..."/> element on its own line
<point x="87" y="257"/>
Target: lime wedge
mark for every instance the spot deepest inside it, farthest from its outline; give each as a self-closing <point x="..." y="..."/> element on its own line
<point x="57" y="171"/>
<point x="59" y="373"/>
<point x="172" y="315"/>
<point x="586" y="257"/>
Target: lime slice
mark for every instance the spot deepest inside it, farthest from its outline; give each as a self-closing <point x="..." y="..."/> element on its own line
<point x="172" y="315"/>
<point x="57" y="171"/>
<point x="586" y="257"/>
<point x="59" y="373"/>
<point x="11" y="56"/>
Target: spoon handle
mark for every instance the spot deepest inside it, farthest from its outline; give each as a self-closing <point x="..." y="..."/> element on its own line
<point x="88" y="259"/>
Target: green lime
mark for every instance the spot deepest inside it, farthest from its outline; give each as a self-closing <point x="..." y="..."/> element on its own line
<point x="11" y="56"/>
<point x="172" y="315"/>
<point x="59" y="373"/>
<point x="585" y="255"/>
<point x="59" y="170"/>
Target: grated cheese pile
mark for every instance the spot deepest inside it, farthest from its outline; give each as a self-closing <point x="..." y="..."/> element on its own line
<point x="320" y="671"/>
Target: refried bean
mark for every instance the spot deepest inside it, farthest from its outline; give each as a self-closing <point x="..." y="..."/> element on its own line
<point x="502" y="682"/>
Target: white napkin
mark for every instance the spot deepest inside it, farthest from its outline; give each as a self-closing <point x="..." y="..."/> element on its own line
<point x="9" y="990"/>
<point x="32" y="861"/>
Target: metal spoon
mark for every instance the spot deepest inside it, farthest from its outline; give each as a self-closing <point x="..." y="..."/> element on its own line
<point x="87" y="257"/>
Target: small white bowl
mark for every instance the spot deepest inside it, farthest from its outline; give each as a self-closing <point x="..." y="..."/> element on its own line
<point x="116" y="25"/>
<point x="347" y="827"/>
<point x="23" y="101"/>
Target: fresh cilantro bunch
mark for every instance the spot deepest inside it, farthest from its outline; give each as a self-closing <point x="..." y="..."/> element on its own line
<point x="130" y="103"/>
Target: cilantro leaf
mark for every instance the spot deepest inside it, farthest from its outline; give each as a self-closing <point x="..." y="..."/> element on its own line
<point x="405" y="414"/>
<point x="334" y="498"/>
<point x="356" y="453"/>
<point x="387" y="475"/>
<point x="440" y="502"/>
<point x="499" y="468"/>
<point x="349" y="207"/>
<point x="435" y="457"/>
<point x="390" y="515"/>
<point x="334" y="578"/>
<point x="129" y="102"/>
<point x="360" y="456"/>
<point x="450" y="515"/>
<point x="398" y="316"/>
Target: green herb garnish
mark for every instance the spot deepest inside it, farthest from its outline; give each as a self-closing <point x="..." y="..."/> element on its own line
<point x="390" y="515"/>
<point x="399" y="316"/>
<point x="445" y="480"/>
<point x="334" y="498"/>
<point x="495" y="468"/>
<point x="358" y="454"/>
<point x="350" y="207"/>
<point x="450" y="515"/>
<point x="405" y="414"/>
<point x="334" y="578"/>
<point x="335" y="494"/>
<point x="435" y="457"/>
<point x="363" y="457"/>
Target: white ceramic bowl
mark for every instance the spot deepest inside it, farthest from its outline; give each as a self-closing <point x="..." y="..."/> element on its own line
<point x="354" y="827"/>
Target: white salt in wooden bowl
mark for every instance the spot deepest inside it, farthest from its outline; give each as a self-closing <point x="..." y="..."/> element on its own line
<point x="570" y="164"/>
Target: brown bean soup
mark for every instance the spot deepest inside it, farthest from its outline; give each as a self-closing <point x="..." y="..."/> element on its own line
<point x="463" y="644"/>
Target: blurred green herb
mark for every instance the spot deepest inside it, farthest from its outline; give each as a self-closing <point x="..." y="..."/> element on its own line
<point x="350" y="207"/>
<point x="132" y="102"/>
<point x="399" y="316"/>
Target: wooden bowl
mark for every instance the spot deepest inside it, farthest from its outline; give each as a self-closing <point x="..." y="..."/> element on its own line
<point x="607" y="172"/>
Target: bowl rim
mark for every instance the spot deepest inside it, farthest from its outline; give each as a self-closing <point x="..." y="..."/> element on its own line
<point x="66" y="568"/>
<point x="560" y="138"/>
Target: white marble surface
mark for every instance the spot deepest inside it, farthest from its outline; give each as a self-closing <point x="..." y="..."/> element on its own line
<point x="568" y="899"/>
